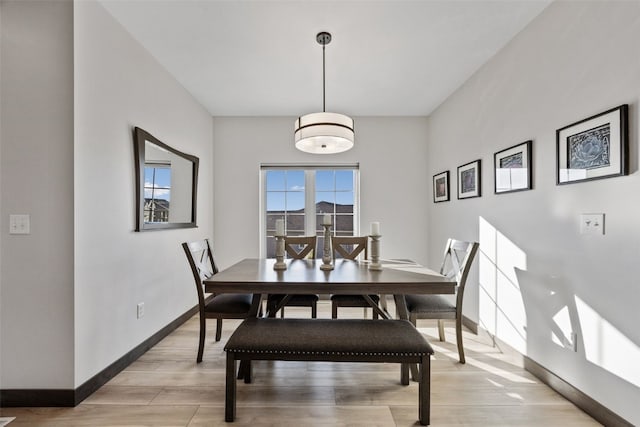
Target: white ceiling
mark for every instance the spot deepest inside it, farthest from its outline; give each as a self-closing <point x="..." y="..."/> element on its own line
<point x="261" y="58"/>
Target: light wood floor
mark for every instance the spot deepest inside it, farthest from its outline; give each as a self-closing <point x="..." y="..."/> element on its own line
<point x="165" y="387"/>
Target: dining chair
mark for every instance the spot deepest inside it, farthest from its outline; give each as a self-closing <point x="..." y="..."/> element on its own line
<point x="350" y="247"/>
<point x="457" y="260"/>
<point x="223" y="306"/>
<point x="296" y="247"/>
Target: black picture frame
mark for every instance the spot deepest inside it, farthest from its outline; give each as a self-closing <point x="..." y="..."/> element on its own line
<point x="441" y="187"/>
<point x="594" y="148"/>
<point x="512" y="168"/>
<point x="470" y="180"/>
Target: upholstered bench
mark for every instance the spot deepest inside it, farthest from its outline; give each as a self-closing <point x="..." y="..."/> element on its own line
<point x="329" y="340"/>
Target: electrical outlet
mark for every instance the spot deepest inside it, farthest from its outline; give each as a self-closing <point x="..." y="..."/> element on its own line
<point x="592" y="224"/>
<point x="19" y="224"/>
<point x="140" y="310"/>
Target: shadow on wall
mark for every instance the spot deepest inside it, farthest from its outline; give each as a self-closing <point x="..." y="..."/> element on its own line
<point x="515" y="302"/>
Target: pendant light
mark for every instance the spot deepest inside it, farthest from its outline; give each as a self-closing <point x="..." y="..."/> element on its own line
<point x="324" y="133"/>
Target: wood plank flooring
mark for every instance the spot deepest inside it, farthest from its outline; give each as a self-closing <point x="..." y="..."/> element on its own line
<point x="165" y="387"/>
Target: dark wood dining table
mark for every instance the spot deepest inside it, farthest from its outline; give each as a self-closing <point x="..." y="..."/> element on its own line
<point x="397" y="278"/>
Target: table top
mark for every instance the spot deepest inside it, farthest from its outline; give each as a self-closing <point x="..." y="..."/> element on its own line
<point x="348" y="277"/>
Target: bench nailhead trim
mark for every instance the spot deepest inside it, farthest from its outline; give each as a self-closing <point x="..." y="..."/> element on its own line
<point x="324" y="353"/>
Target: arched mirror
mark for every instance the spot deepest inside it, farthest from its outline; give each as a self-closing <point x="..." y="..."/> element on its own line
<point x="166" y="184"/>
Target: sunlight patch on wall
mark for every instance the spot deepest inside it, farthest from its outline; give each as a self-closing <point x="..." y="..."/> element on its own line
<point x="501" y="307"/>
<point x="564" y="328"/>
<point x="607" y="347"/>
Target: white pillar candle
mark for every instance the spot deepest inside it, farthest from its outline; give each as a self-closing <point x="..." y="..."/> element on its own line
<point x="279" y="227"/>
<point x="375" y="229"/>
<point x="326" y="219"/>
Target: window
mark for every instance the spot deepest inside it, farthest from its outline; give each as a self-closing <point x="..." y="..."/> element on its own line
<point x="157" y="192"/>
<point x="302" y="195"/>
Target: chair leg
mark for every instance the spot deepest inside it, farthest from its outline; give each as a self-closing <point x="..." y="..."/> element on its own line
<point x="218" y="329"/>
<point x="459" y="339"/>
<point x="314" y="311"/>
<point x="334" y="310"/>
<point x="374" y="314"/>
<point x="203" y="331"/>
<point x="282" y="313"/>
<point x="441" y="330"/>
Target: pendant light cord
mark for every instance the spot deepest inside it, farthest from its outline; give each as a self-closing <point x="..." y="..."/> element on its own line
<point x="323" y="81"/>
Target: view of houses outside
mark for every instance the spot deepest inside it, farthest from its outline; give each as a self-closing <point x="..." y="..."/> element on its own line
<point x="286" y="195"/>
<point x="157" y="193"/>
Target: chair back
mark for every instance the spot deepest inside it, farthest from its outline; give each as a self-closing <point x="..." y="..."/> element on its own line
<point x="456" y="263"/>
<point x="201" y="262"/>
<point x="349" y="247"/>
<point x="300" y="247"/>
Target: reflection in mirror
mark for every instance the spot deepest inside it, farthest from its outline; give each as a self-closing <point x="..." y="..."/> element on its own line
<point x="166" y="184"/>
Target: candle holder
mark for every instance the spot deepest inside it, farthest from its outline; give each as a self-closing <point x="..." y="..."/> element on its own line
<point x="279" y="264"/>
<point x="375" y="252"/>
<point x="326" y="249"/>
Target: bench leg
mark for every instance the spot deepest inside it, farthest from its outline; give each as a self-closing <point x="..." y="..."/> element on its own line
<point x="404" y="374"/>
<point x="424" y="390"/>
<point x="245" y="372"/>
<point x="230" y="390"/>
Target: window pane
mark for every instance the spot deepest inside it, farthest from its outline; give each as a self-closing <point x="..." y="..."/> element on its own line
<point x="324" y="180"/>
<point x="324" y="202"/>
<point x="319" y="219"/>
<point x="345" y="198"/>
<point x="344" y="223"/>
<point x="344" y="180"/>
<point x="275" y="201"/>
<point x="271" y="223"/>
<point x="275" y="180"/>
<point x="295" y="180"/>
<point x="295" y="201"/>
<point x="271" y="247"/>
<point x="295" y="225"/>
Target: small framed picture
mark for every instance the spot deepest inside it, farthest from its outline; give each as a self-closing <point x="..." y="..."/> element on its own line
<point x="512" y="168"/>
<point x="593" y="148"/>
<point x="441" y="187"/>
<point x="469" y="180"/>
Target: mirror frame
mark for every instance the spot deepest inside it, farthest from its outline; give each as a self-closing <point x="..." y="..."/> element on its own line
<point x="140" y="137"/>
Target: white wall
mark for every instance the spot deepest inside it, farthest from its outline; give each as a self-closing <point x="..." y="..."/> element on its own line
<point x="393" y="180"/>
<point x="536" y="276"/>
<point x="118" y="85"/>
<point x="36" y="178"/>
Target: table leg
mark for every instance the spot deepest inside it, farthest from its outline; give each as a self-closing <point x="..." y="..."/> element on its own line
<point x="376" y="308"/>
<point x="403" y="313"/>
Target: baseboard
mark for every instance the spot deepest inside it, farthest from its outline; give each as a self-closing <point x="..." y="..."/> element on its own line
<point x="593" y="408"/>
<point x="67" y="398"/>
<point x="470" y="324"/>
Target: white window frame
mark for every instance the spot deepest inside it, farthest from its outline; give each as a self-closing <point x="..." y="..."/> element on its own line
<point x="310" y="195"/>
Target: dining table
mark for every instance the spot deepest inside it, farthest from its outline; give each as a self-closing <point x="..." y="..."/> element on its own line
<point x="304" y="276"/>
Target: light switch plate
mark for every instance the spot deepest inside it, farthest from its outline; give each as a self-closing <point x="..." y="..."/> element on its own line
<point x="19" y="224"/>
<point x="592" y="224"/>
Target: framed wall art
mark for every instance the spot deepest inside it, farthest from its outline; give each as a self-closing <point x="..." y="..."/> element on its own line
<point x="441" y="187"/>
<point x="512" y="168"/>
<point x="593" y="148"/>
<point x="469" y="183"/>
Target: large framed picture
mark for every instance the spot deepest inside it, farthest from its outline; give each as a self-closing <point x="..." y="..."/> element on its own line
<point x="512" y="168"/>
<point x="593" y="148"/>
<point x="469" y="182"/>
<point x="441" y="187"/>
